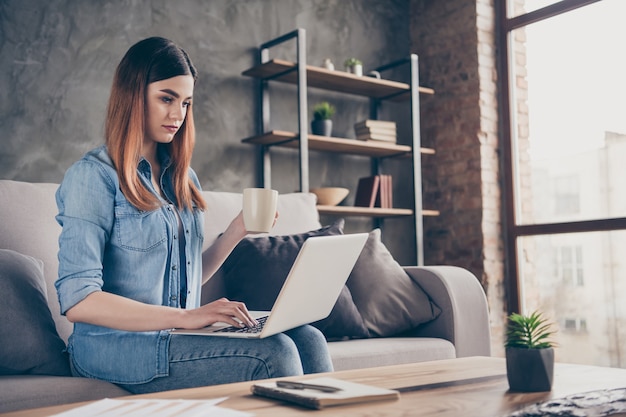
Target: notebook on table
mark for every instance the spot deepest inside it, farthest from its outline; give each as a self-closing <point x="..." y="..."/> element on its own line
<point x="309" y="292"/>
<point x="322" y="392"/>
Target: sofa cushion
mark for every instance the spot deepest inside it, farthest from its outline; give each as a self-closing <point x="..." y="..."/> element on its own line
<point x="388" y="300"/>
<point x="258" y="266"/>
<point x="368" y="353"/>
<point x="35" y="346"/>
<point x="33" y="231"/>
<point x="344" y="321"/>
<point x="256" y="269"/>
<point x="20" y="392"/>
<point x="379" y="298"/>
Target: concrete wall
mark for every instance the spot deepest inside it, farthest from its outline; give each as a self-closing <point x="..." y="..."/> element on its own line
<point x="57" y="59"/>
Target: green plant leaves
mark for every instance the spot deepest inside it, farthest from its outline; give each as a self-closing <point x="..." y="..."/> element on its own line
<point x="530" y="332"/>
<point x="323" y="111"/>
<point x="351" y="62"/>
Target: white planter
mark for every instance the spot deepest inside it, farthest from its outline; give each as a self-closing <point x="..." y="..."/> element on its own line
<point x="355" y="69"/>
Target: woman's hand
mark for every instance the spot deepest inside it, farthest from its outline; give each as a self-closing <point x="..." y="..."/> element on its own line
<point x="223" y="310"/>
<point x="237" y="226"/>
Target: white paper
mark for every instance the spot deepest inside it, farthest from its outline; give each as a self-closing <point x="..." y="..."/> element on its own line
<point x="153" y="408"/>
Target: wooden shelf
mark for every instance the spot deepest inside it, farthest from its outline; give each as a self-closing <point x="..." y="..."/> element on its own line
<point x="370" y="148"/>
<point x="370" y="212"/>
<point x="285" y="71"/>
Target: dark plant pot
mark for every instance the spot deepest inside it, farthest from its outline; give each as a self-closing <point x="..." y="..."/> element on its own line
<point x="530" y="370"/>
<point x="322" y="127"/>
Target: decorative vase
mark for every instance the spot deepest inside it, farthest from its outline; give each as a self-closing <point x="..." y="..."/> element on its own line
<point x="322" y="127"/>
<point x="530" y="370"/>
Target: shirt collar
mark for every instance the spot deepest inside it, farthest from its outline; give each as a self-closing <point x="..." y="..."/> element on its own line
<point x="162" y="155"/>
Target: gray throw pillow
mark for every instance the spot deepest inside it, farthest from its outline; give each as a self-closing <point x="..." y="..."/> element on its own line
<point x="387" y="299"/>
<point x="30" y="342"/>
<point x="256" y="269"/>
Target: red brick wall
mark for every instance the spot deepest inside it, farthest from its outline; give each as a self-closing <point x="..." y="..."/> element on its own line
<point x="455" y="42"/>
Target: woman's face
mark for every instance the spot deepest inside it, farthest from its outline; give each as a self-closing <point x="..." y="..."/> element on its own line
<point x="167" y="102"/>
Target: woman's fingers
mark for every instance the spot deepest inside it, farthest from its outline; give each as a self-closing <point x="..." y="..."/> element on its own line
<point x="235" y="312"/>
<point x="223" y="310"/>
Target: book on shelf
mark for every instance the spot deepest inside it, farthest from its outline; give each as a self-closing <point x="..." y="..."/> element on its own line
<point x="382" y="137"/>
<point x="382" y="131"/>
<point x="376" y="130"/>
<point x="374" y="191"/>
<point x="382" y="124"/>
<point x="323" y="392"/>
<point x="384" y="199"/>
<point x="367" y="191"/>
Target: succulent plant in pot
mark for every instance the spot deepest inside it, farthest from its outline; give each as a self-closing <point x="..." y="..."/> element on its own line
<point x="529" y="353"/>
<point x="322" y="123"/>
<point x="354" y="66"/>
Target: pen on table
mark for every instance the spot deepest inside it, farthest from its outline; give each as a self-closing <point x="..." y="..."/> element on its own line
<point x="303" y="385"/>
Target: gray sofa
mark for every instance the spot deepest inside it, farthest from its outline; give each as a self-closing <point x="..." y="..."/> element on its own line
<point x="28" y="229"/>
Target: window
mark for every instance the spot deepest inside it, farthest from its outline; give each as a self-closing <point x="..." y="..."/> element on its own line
<point x="566" y="195"/>
<point x="575" y="325"/>
<point x="580" y="277"/>
<point x="568" y="265"/>
<point x="563" y="104"/>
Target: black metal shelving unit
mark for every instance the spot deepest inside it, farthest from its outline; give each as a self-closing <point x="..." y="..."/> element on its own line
<point x="377" y="90"/>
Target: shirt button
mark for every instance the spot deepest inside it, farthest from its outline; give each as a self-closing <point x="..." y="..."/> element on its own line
<point x="174" y="267"/>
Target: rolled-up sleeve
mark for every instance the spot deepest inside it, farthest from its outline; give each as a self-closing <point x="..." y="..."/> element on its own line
<point x="86" y="203"/>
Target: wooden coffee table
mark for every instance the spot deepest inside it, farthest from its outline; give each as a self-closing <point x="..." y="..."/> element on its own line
<point x="468" y="386"/>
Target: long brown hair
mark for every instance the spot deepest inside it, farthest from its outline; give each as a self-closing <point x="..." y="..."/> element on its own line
<point x="150" y="60"/>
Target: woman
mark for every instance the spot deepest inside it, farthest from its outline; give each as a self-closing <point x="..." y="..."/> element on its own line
<point x="130" y="260"/>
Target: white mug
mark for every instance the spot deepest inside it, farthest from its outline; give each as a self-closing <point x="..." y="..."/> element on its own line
<point x="259" y="209"/>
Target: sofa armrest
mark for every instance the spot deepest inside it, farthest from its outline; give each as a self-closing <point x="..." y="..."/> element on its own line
<point x="464" y="318"/>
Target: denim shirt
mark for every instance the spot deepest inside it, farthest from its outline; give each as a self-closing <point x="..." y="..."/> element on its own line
<point x="106" y="244"/>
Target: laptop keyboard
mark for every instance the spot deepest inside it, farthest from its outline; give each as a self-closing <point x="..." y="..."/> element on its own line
<point x="255" y="329"/>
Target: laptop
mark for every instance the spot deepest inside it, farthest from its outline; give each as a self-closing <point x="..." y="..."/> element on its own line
<point x="309" y="292"/>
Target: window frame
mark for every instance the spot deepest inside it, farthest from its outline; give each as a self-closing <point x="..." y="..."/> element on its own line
<point x="512" y="230"/>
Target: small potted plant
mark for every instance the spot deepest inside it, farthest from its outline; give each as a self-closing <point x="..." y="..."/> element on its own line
<point x="354" y="66"/>
<point x="529" y="353"/>
<point x="322" y="123"/>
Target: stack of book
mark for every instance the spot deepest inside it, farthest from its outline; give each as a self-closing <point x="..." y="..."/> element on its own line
<point x="376" y="130"/>
<point x="374" y="191"/>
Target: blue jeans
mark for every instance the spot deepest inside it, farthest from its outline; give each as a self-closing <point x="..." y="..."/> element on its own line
<point x="196" y="361"/>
